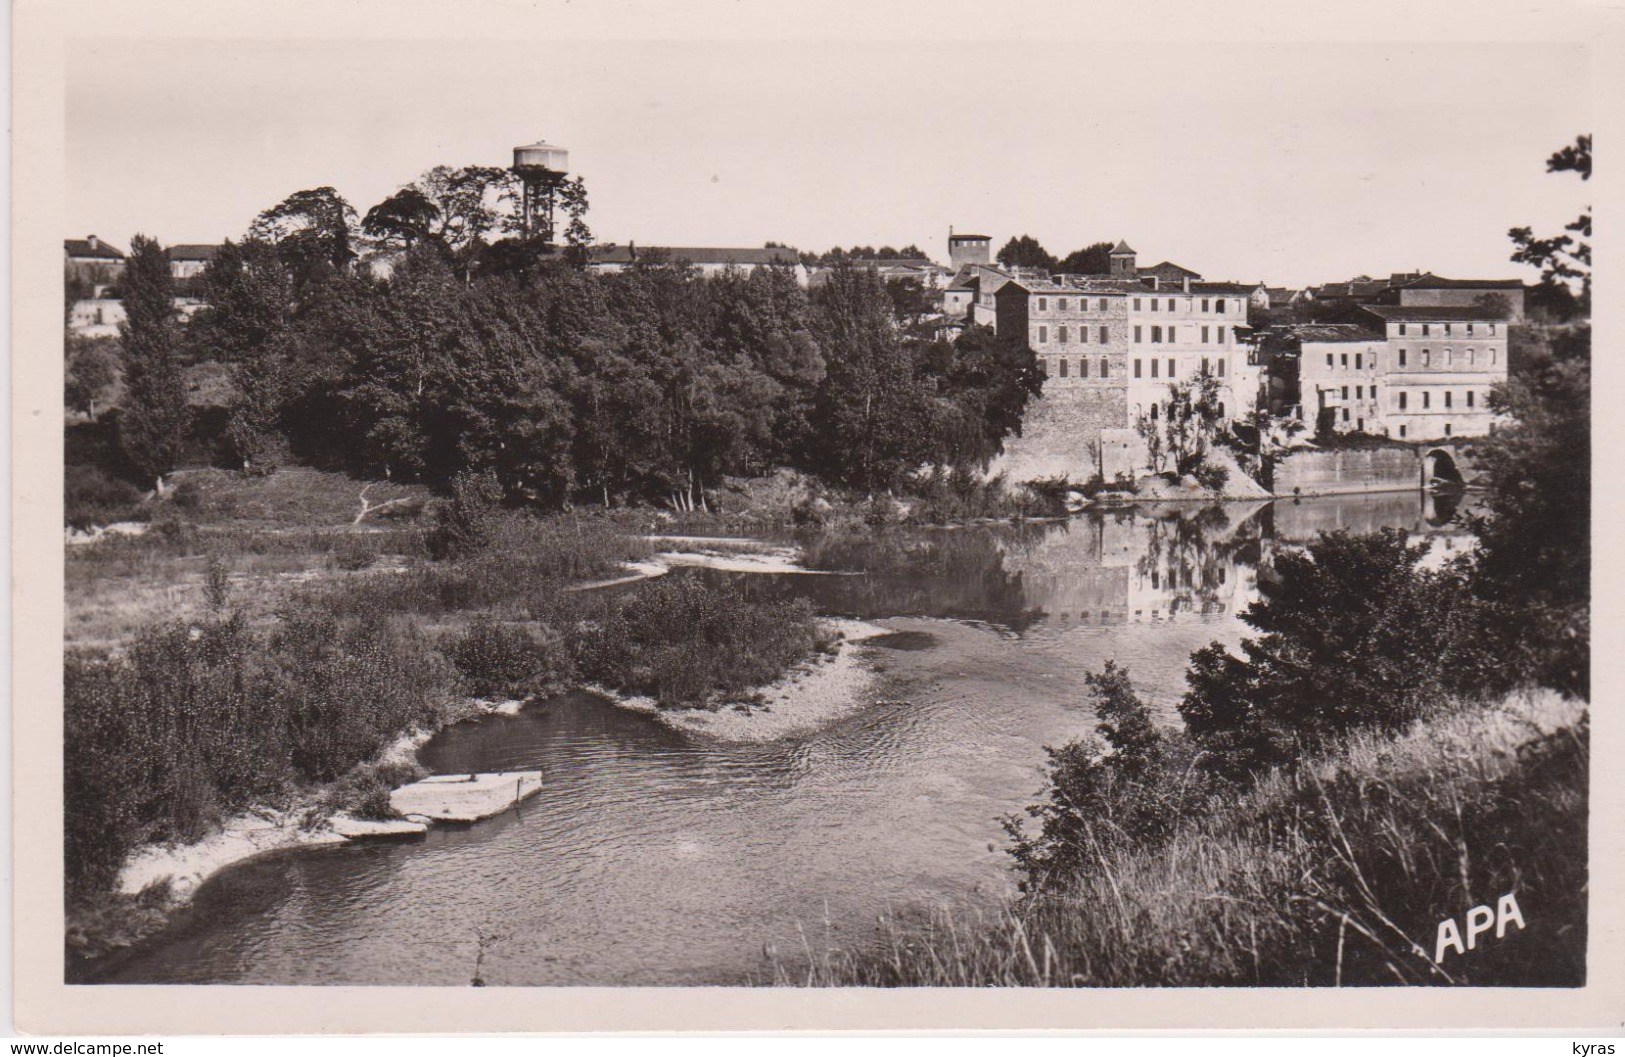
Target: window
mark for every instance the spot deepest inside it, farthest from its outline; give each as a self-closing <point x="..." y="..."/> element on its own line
<point x="1221" y="368"/>
<point x="1220" y="304"/>
<point x="1449" y="357"/>
<point x="1043" y="366"/>
<point x="1401" y="432"/>
<point x="1373" y="392"/>
<point x="1492" y="357"/>
<point x="1204" y="335"/>
<point x="1359" y="392"/>
<point x="1359" y="424"/>
<point x="1402" y="403"/>
<point x="1136" y="368"/>
<point x="1061" y="335"/>
<point x="1345" y="414"/>
<point x="1427" y="357"/>
<point x="1043" y="335"/>
<point x="1345" y="392"/>
<point x="1170" y="366"/>
<point x="1469" y="398"/>
<point x="1083" y="335"/>
<point x="1153" y="412"/>
<point x="1063" y="366"/>
<point x="1328" y="359"/>
<point x="1426" y="329"/>
<point x="1402" y="330"/>
<point x="1083" y="366"/>
<point x="1204" y="304"/>
<point x="1154" y="303"/>
<point x="1469" y="330"/>
<point x="1345" y="361"/>
<point x="1102" y="305"/>
<point x="1105" y="368"/>
<point x="1427" y="401"/>
<point x="1359" y="361"/>
<point x="1492" y="328"/>
<point x="1155" y="363"/>
<point x="1447" y="330"/>
<point x="1221" y="415"/>
<point x="1171" y="334"/>
<point x="1136" y="333"/>
<point x="1471" y="357"/>
<point x="1043" y="304"/>
<point x="1224" y="336"/>
<point x="1447" y="396"/>
<point x="1156" y="335"/>
<point x="1136" y="304"/>
<point x="1447" y="429"/>
<point x="1402" y="357"/>
<point x="1060" y="305"/>
<point x="1204" y="366"/>
<point x="1170" y="304"/>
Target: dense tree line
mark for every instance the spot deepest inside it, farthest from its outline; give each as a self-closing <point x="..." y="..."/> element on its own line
<point x="468" y="355"/>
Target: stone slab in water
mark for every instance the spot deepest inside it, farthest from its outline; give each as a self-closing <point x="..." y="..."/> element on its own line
<point x="465" y="797"/>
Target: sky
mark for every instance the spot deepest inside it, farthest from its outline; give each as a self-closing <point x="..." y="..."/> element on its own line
<point x="1285" y="163"/>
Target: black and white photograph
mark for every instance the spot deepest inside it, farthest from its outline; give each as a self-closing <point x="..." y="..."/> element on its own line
<point x="895" y="508"/>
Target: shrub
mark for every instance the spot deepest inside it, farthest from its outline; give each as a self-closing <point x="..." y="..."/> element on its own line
<point x="467" y="522"/>
<point x="364" y="792"/>
<point x="354" y="553"/>
<point x="1098" y="800"/>
<point x="1212" y="476"/>
<point x="680" y="641"/>
<point x="1354" y="636"/>
<point x="504" y="660"/>
<point x="93" y="497"/>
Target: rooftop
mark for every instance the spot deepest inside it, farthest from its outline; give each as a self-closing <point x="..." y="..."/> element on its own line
<point x="1327" y="332"/>
<point x="1121" y="248"/>
<point x="1429" y="314"/>
<point x="193" y="251"/>
<point x="101" y="250"/>
<point x="1435" y="282"/>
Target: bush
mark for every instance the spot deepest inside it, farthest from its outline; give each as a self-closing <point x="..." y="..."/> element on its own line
<point x="467" y="522"/>
<point x="364" y="792"/>
<point x="92" y="497"/>
<point x="682" y="641"/>
<point x="1212" y="476"/>
<point x="1133" y="795"/>
<point x="1355" y="636"/>
<point x="502" y="660"/>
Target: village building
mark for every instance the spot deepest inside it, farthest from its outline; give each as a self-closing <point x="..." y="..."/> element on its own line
<point x="1432" y="291"/>
<point x="188" y="260"/>
<point x="90" y="260"/>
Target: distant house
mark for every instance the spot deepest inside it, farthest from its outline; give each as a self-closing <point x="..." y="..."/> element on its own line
<point x="1432" y="291"/>
<point x="188" y="259"/>
<point x="1167" y="272"/>
<point x="1283" y="297"/>
<point x="710" y="260"/>
<point x="93" y="261"/>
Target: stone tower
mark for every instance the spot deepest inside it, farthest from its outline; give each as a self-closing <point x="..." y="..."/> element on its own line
<point x="1123" y="262"/>
<point x="968" y="249"/>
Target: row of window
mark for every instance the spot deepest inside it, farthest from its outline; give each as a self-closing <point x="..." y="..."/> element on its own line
<point x="1063" y="335"/>
<point x="1221" y="335"/>
<point x="1083" y="367"/>
<point x="1207" y="367"/>
<point x="1427" y="329"/>
<point x="1359" y="424"/>
<point x="1427" y="400"/>
<point x="1063" y="304"/>
<point x="1155" y="406"/>
<point x="1217" y="303"/>
<point x="1450" y="357"/>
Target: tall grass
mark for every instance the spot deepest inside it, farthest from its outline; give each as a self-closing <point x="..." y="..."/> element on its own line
<point x="1336" y="873"/>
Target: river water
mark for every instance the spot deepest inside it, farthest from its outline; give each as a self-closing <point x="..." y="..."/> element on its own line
<point x="653" y="857"/>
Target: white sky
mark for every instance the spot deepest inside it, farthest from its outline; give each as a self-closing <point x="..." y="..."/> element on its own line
<point x="1290" y="163"/>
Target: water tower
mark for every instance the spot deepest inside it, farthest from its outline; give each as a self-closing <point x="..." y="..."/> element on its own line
<point x="541" y="168"/>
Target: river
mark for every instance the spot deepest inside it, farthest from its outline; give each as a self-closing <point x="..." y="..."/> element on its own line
<point x="653" y="857"/>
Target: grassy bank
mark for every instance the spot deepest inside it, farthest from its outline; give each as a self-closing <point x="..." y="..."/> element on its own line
<point x="1337" y="873"/>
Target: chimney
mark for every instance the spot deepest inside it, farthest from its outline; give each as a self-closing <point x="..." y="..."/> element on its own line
<point x="1156" y="282"/>
<point x="1187" y="284"/>
<point x="93" y="243"/>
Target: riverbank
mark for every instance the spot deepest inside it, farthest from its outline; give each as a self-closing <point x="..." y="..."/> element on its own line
<point x="1339" y="873"/>
<point x="814" y="693"/>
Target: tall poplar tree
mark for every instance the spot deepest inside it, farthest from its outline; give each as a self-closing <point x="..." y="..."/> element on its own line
<point x="154" y="418"/>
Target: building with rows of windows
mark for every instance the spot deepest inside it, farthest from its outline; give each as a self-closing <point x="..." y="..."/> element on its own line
<point x="1413" y="373"/>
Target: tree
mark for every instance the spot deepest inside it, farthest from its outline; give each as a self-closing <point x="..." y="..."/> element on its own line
<point x="1093" y="259"/>
<point x="154" y="418"/>
<point x="577" y="235"/>
<point x="982" y="385"/>
<point x="1559" y="257"/>
<point x="313" y="231"/>
<point x="92" y="368"/>
<point x="1025" y="252"/>
<point x="406" y="217"/>
<point x="1182" y="429"/>
<point x="1533" y="561"/>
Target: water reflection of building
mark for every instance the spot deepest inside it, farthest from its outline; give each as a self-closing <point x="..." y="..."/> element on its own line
<point x="1147" y="565"/>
